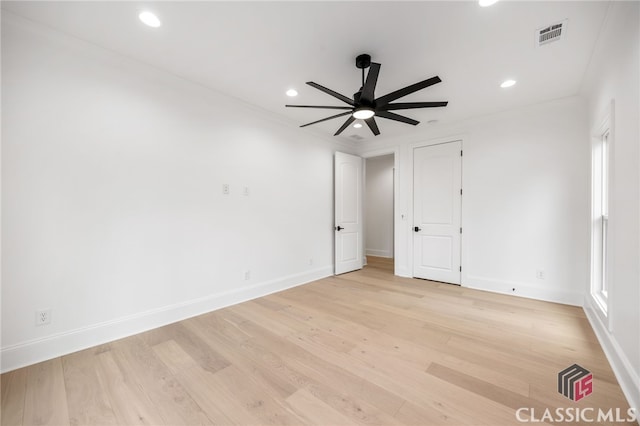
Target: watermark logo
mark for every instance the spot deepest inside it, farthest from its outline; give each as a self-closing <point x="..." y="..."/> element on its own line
<point x="575" y="382"/>
<point x="577" y="415"/>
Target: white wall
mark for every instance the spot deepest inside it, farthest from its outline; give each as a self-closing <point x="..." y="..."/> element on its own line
<point x="378" y="206"/>
<point x="614" y="75"/>
<point x="526" y="191"/>
<point x="113" y="212"/>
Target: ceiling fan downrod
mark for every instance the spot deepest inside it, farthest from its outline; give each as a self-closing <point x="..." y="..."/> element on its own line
<point x="363" y="61"/>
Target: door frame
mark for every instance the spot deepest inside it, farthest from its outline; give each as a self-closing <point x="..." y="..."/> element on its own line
<point x="397" y="220"/>
<point x="410" y="202"/>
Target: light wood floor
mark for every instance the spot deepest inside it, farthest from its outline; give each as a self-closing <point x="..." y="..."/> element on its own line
<point x="362" y="348"/>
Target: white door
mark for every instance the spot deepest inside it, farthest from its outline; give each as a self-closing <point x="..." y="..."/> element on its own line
<point x="437" y="187"/>
<point x="348" y="212"/>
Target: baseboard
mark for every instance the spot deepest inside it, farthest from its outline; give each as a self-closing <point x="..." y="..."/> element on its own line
<point x="378" y="253"/>
<point x="38" y="350"/>
<point x="622" y="368"/>
<point x="523" y="290"/>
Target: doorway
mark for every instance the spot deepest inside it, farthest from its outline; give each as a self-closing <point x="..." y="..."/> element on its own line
<point x="379" y="220"/>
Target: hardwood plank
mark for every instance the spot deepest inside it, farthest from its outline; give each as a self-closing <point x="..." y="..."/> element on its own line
<point x="315" y="411"/>
<point x="385" y="263"/>
<point x="262" y="363"/>
<point x="483" y="388"/>
<point x="218" y="405"/>
<point x="152" y="377"/>
<point x="174" y="357"/>
<point x="258" y="400"/>
<point x="46" y="397"/>
<point x="358" y="410"/>
<point x="204" y="354"/>
<point x="412" y="414"/>
<point x="14" y="386"/>
<point x="130" y="404"/>
<point x="88" y="401"/>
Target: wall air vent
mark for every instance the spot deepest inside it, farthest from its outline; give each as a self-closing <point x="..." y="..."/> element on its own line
<point x="356" y="137"/>
<point x="551" y="33"/>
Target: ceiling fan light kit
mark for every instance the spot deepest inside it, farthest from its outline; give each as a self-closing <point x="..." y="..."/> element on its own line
<point x="363" y="113"/>
<point x="365" y="106"/>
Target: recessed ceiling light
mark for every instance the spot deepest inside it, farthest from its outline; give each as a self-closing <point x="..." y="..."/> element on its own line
<point x="292" y="92"/>
<point x="149" y="19"/>
<point x="507" y="83"/>
<point x="432" y="122"/>
<point x="357" y="125"/>
<point x="485" y="3"/>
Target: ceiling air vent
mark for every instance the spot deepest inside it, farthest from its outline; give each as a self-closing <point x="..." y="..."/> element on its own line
<point x="552" y="33"/>
<point x="356" y="137"/>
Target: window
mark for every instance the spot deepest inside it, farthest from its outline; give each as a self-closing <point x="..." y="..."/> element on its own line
<point x="600" y="285"/>
<point x="604" y="209"/>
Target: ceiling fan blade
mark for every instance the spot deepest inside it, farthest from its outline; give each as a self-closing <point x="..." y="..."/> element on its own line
<point x="318" y="106"/>
<point x="371" y="122"/>
<point x="396" y="117"/>
<point x="370" y="85"/>
<point x="345" y="125"/>
<point x="384" y="100"/>
<point x="343" y="98"/>
<point x="328" y="118"/>
<point x="411" y="105"/>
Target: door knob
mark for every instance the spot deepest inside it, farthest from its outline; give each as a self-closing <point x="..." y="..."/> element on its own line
<point x="416" y="229"/>
<point x="339" y="228"/>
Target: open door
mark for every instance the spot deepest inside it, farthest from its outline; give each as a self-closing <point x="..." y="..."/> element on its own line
<point x="348" y="212"/>
<point x="437" y="198"/>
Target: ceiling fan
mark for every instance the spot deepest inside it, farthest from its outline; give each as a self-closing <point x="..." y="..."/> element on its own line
<point x="366" y="106"/>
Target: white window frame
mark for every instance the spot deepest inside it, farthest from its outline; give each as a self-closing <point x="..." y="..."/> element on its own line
<point x="601" y="179"/>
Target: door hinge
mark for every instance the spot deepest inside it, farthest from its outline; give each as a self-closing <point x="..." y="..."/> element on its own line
<point x="461" y="230"/>
<point x="460" y="191"/>
<point x="460" y="153"/>
<point x="461" y="269"/>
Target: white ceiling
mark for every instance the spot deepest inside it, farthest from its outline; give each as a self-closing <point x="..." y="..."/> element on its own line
<point x="255" y="51"/>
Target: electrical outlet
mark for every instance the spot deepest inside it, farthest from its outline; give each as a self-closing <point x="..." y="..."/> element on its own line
<point x="225" y="188"/>
<point x="247" y="275"/>
<point x="540" y="274"/>
<point x="245" y="191"/>
<point x="43" y="317"/>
